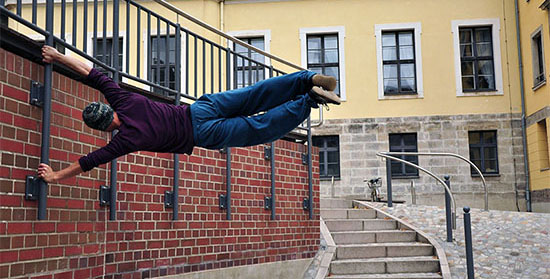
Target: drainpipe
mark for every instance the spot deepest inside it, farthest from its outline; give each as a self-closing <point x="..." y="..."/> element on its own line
<point x="523" y="121"/>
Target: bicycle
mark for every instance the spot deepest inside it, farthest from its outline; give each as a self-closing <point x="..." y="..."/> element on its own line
<point x="374" y="185"/>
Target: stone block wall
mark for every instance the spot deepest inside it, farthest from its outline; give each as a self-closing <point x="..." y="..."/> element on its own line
<point x="361" y="139"/>
<point x="77" y="239"/>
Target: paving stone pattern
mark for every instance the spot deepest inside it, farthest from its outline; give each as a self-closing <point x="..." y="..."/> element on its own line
<point x="507" y="244"/>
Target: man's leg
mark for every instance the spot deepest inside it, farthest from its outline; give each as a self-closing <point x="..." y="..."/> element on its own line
<point x="253" y="130"/>
<point x="261" y="96"/>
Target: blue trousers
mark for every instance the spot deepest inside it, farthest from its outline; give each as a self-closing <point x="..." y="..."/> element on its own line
<point x="261" y="113"/>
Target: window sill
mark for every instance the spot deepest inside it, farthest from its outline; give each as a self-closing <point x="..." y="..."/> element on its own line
<point x="406" y="177"/>
<point x="329" y="178"/>
<point x="539" y="85"/>
<point x="486" y="175"/>
<point x="480" y="93"/>
<point x="400" y="97"/>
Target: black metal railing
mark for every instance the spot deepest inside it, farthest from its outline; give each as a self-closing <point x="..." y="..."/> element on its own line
<point x="207" y="67"/>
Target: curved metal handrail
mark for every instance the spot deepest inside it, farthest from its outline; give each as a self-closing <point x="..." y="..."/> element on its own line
<point x="452" y="155"/>
<point x="383" y="154"/>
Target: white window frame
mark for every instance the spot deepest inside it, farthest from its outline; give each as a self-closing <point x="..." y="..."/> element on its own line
<point x="90" y="47"/>
<point x="266" y="34"/>
<point x="144" y="61"/>
<point x="495" y="27"/>
<point x="417" y="27"/>
<point x="341" y="31"/>
<point x="534" y="59"/>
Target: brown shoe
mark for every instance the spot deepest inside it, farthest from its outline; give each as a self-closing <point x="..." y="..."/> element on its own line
<point x="326" y="82"/>
<point x="323" y="97"/>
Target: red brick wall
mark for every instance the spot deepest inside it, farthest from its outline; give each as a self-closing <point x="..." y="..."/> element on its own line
<point x="77" y="240"/>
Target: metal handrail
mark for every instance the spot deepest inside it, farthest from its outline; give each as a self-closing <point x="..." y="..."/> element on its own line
<point x="178" y="92"/>
<point x="383" y="154"/>
<point x="452" y="155"/>
<point x="221" y="33"/>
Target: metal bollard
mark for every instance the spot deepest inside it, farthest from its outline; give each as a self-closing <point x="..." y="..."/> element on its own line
<point x="468" y="240"/>
<point x="413" y="193"/>
<point x="388" y="179"/>
<point x="448" y="212"/>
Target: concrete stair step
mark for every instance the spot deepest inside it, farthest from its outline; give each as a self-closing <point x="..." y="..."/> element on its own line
<point x="328" y="214"/>
<point x="389" y="276"/>
<point x="380" y="236"/>
<point x="379" y="250"/>
<point x="336" y="203"/>
<point x="338" y="225"/>
<point x="385" y="265"/>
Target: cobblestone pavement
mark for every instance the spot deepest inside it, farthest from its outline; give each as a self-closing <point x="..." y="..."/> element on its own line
<point x="506" y="244"/>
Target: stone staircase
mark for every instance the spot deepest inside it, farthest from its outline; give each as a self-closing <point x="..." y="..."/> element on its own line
<point x="372" y="246"/>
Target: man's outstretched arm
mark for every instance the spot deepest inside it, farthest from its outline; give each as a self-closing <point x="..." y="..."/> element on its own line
<point x="51" y="55"/>
<point x="46" y="172"/>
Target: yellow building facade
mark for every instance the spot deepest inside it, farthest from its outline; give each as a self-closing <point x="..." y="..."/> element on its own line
<point x="438" y="104"/>
<point x="534" y="37"/>
<point x="424" y="75"/>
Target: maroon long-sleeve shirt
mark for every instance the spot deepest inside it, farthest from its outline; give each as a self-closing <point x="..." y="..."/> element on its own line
<point x="146" y="125"/>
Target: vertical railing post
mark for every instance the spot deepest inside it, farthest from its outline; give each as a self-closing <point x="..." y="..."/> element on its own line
<point x="85" y="27"/>
<point x="273" y="196"/>
<point x="114" y="55"/>
<point x="149" y="48"/>
<point x="75" y="18"/>
<point x="63" y="18"/>
<point x="413" y="193"/>
<point x="138" y="41"/>
<point x="104" y="42"/>
<point x="3" y="18"/>
<point x="94" y="47"/>
<point x="46" y="114"/>
<point x="175" y="192"/>
<point x="468" y="240"/>
<point x="128" y="36"/>
<point x="448" y="212"/>
<point x="309" y="168"/>
<point x="227" y="150"/>
<point x="388" y="182"/>
<point x="228" y="182"/>
<point x="272" y="162"/>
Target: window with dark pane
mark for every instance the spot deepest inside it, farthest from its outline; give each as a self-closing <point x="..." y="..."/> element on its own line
<point x="248" y="68"/>
<point x="542" y="145"/>
<point x="105" y="55"/>
<point x="483" y="151"/>
<point x="476" y="58"/>
<point x="399" y="62"/>
<point x="538" y="59"/>
<point x="159" y="65"/>
<point x="405" y="142"/>
<point x="329" y="156"/>
<point x="323" y="57"/>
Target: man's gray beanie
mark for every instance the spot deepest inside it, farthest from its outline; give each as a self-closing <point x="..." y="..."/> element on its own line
<point x="98" y="116"/>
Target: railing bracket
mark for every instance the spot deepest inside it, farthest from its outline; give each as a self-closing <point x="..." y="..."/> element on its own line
<point x="32" y="188"/>
<point x="305" y="204"/>
<point x="104" y="195"/>
<point x="267" y="152"/>
<point x="304" y="158"/>
<point x="223" y="202"/>
<point x="37" y="94"/>
<point x="268" y="203"/>
<point x="168" y="199"/>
